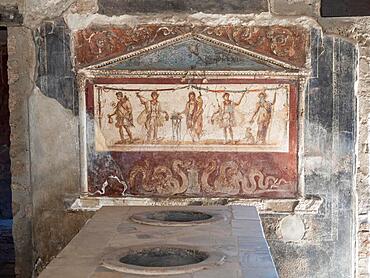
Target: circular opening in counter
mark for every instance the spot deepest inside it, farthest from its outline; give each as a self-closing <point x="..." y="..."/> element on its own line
<point x="179" y="216"/>
<point x="175" y="218"/>
<point x="162" y="259"/>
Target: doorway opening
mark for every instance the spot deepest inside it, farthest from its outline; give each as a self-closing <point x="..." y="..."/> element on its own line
<point x="7" y="257"/>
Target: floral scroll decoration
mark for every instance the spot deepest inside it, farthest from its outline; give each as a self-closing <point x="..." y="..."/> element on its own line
<point x="95" y="44"/>
<point x="287" y="43"/>
<point x="284" y="42"/>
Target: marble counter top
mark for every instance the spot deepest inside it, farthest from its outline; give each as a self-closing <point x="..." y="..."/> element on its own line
<point x="237" y="234"/>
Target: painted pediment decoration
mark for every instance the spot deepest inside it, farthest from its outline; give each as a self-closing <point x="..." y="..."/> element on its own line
<point x="279" y="45"/>
<point x="192" y="52"/>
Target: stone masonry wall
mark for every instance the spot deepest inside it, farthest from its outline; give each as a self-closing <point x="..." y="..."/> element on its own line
<point x="44" y="127"/>
<point x="21" y="69"/>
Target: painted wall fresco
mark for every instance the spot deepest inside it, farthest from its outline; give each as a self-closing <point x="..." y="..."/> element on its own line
<point x="286" y="43"/>
<point x="215" y="117"/>
<point x="192" y="115"/>
<point x="137" y="148"/>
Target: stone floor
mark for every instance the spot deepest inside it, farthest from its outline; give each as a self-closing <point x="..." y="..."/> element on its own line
<point x="237" y="234"/>
<point x="6" y="249"/>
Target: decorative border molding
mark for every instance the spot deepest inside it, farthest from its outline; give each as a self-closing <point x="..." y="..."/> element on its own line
<point x="308" y="205"/>
<point x="191" y="74"/>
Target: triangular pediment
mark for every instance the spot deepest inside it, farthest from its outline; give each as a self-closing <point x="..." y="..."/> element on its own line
<point x="193" y="52"/>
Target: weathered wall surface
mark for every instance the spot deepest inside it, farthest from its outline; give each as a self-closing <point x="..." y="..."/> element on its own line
<point x="44" y="146"/>
<point x="45" y="149"/>
<point x="362" y="179"/>
<point x="54" y="145"/>
<point x="21" y="70"/>
<point x="358" y="30"/>
<point x="116" y="7"/>
<point x="55" y="77"/>
<point x="325" y="249"/>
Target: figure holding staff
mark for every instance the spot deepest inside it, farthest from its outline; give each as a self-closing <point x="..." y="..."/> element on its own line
<point x="224" y="117"/>
<point x="152" y="117"/>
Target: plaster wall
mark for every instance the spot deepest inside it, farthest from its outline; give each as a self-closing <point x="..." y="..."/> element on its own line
<point x="45" y="148"/>
<point x="358" y="30"/>
<point x="21" y="66"/>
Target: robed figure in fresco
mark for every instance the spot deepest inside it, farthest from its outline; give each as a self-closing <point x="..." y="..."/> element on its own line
<point x="264" y="114"/>
<point x="124" y="119"/>
<point x="224" y="117"/>
<point x="152" y="117"/>
<point x="194" y="116"/>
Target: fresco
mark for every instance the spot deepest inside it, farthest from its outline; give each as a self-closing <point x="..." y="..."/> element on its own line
<point x="168" y="137"/>
<point x="190" y="111"/>
<point x="192" y="117"/>
<point x="286" y="43"/>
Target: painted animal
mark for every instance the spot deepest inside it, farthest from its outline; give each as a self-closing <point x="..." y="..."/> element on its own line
<point x="161" y="179"/>
<point x="230" y="180"/>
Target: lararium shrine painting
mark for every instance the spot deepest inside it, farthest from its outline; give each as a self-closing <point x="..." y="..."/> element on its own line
<point x="192" y="116"/>
<point x="168" y="137"/>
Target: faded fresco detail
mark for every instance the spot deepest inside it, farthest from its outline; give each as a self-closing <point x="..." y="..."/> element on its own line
<point x="232" y="178"/>
<point x="286" y="43"/>
<point x="162" y="117"/>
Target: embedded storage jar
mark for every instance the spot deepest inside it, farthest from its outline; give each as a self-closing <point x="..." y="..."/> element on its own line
<point x="161" y="259"/>
<point x="175" y="218"/>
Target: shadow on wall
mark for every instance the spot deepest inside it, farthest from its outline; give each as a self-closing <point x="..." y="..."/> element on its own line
<point x="6" y="238"/>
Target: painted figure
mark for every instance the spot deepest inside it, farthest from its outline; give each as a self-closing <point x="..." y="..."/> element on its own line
<point x="152" y="117"/>
<point x="124" y="120"/>
<point x="225" y="116"/>
<point x="194" y="116"/>
<point x="264" y="113"/>
<point x="249" y="138"/>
